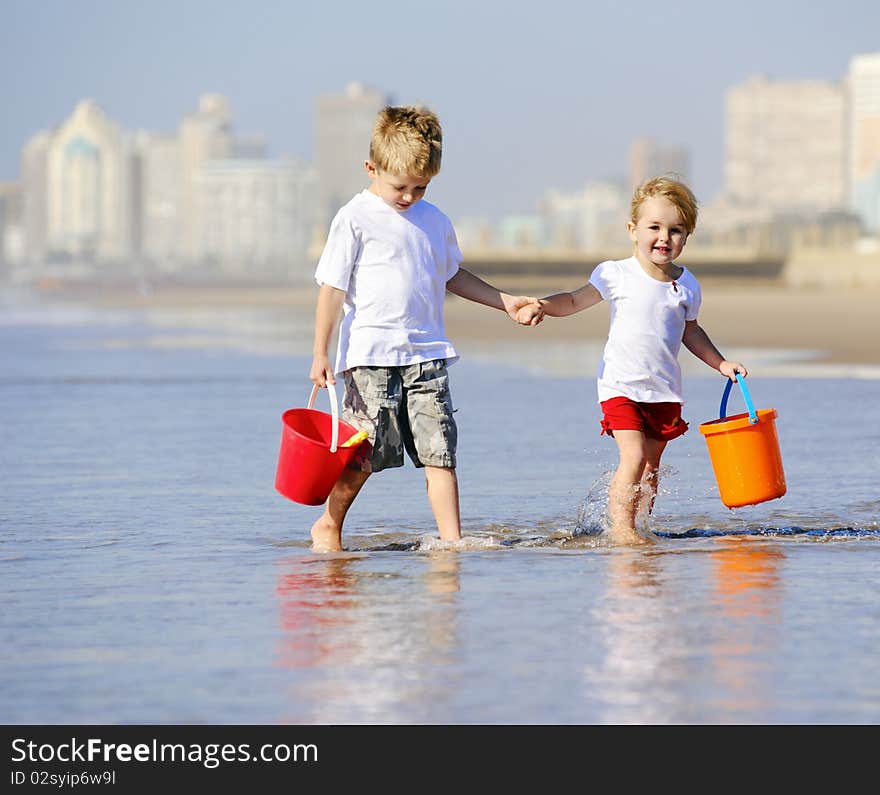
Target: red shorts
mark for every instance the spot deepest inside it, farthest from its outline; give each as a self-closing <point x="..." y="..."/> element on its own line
<point x="656" y="420"/>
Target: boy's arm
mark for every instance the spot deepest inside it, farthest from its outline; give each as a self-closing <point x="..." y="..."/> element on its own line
<point x="466" y="285"/>
<point x="697" y="341"/>
<point x="329" y="306"/>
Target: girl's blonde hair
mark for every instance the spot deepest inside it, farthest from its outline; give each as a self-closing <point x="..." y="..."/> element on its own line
<point x="674" y="191"/>
<point x="407" y="140"/>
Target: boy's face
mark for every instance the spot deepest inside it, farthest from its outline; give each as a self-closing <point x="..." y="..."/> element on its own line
<point x="659" y="233"/>
<point x="398" y="191"/>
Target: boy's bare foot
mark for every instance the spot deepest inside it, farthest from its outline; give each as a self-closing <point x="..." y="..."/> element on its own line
<point x="627" y="537"/>
<point x="326" y="536"/>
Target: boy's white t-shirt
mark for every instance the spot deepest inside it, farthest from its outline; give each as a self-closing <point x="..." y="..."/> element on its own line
<point x="393" y="267"/>
<point x="640" y="360"/>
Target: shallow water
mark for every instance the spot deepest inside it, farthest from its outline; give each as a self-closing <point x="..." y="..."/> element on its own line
<point x="151" y="574"/>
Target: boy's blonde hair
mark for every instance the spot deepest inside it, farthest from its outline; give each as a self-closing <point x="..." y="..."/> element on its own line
<point x="407" y="140"/>
<point x="673" y="191"/>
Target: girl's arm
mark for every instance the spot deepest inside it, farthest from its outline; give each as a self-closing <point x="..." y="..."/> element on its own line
<point x="466" y="285"/>
<point x="562" y="304"/>
<point x="697" y="341"/>
<point x="559" y="305"/>
<point x="330" y="301"/>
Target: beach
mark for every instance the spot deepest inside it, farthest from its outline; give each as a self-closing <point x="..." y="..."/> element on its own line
<point x="834" y="326"/>
<point x="153" y="575"/>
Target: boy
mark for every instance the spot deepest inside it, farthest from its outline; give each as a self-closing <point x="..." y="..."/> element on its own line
<point x="387" y="263"/>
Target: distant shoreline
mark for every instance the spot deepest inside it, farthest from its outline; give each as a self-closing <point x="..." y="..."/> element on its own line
<point x="841" y="324"/>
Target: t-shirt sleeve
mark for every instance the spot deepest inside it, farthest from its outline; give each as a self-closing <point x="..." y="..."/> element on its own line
<point x="340" y="253"/>
<point x="602" y="278"/>
<point x="693" y="307"/>
<point x="453" y="252"/>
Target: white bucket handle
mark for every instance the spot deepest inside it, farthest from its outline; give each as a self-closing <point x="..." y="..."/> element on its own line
<point x="334" y="410"/>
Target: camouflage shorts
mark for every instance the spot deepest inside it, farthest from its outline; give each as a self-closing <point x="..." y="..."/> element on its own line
<point x="406" y="407"/>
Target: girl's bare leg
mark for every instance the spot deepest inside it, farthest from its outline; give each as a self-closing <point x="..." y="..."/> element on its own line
<point x="648" y="487"/>
<point x="623" y="493"/>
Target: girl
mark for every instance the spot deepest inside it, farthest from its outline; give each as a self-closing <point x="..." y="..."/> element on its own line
<point x="654" y="304"/>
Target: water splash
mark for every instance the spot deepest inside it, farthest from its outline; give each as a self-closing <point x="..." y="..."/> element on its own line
<point x="431" y="543"/>
<point x="592" y="515"/>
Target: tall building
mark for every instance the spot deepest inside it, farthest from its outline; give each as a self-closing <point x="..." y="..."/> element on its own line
<point x="786" y="146"/>
<point x="592" y="220"/>
<point x="159" y="158"/>
<point x="35" y="196"/>
<point x="255" y="218"/>
<point x="343" y="126"/>
<point x="649" y="159"/>
<point x="10" y="225"/>
<point x="89" y="187"/>
<point x="863" y="82"/>
<point x="203" y="136"/>
<point x="95" y="193"/>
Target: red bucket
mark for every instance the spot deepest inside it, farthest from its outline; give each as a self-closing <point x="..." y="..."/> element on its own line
<point x="310" y="459"/>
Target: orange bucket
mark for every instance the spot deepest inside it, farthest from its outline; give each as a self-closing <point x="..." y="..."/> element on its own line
<point x="745" y="455"/>
<point x="310" y="459"/>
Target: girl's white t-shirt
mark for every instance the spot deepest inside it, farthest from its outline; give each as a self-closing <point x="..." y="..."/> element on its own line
<point x="393" y="268"/>
<point x="640" y="360"/>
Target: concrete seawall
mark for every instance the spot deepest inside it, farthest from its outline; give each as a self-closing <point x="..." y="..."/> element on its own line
<point x="847" y="267"/>
<point x="531" y="271"/>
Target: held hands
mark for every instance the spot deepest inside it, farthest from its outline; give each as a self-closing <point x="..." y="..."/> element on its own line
<point x="530" y="314"/>
<point x="730" y="369"/>
<point x="525" y="310"/>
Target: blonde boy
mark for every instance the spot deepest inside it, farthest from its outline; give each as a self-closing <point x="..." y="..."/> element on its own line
<point x="389" y="259"/>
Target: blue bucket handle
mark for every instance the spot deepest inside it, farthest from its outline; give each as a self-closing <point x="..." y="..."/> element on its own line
<point x="722" y="412"/>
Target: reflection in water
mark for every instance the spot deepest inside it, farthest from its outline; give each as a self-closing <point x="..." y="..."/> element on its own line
<point x="369" y="638"/>
<point x="443" y="583"/>
<point x="660" y="647"/>
<point x="746" y="589"/>
<point x="635" y="625"/>
<point x="316" y="595"/>
<point x="746" y="576"/>
<point x="442" y="576"/>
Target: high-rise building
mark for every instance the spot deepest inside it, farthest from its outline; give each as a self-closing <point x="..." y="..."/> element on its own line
<point x="95" y="193"/>
<point x="10" y="225"/>
<point x="863" y="82"/>
<point x="159" y="158"/>
<point x="343" y="126"/>
<point x="649" y="159"/>
<point x="203" y="136"/>
<point x="89" y="188"/>
<point x="786" y="146"/>
<point x="593" y="219"/>
<point x="35" y="196"/>
<point x="255" y="218"/>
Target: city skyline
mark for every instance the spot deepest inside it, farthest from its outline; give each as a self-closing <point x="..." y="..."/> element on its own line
<point x="520" y="110"/>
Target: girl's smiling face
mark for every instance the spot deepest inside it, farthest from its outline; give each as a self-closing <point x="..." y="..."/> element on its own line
<point x="659" y="232"/>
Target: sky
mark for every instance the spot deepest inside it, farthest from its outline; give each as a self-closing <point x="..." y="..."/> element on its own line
<point x="531" y="95"/>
